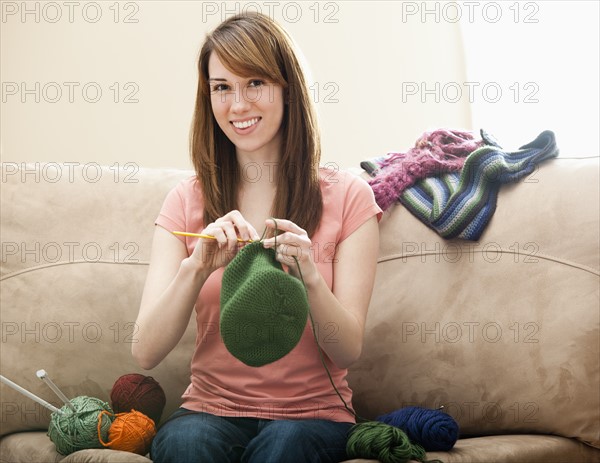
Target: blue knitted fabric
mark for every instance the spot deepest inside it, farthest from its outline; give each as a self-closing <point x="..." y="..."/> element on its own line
<point x="461" y="205"/>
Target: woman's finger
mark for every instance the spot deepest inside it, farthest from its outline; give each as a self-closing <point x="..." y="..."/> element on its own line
<point x="289" y="239"/>
<point x="245" y="230"/>
<point x="286" y="225"/>
<point x="288" y="250"/>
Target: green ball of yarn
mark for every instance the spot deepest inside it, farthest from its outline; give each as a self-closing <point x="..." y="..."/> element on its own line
<point x="263" y="309"/>
<point x="78" y="430"/>
<point x="380" y="441"/>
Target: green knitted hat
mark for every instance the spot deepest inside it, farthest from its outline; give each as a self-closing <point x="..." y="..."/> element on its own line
<point x="263" y="309"/>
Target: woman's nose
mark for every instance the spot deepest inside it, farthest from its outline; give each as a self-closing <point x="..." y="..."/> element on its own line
<point x="240" y="102"/>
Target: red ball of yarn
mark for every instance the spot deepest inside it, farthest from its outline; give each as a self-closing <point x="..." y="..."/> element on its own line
<point x="138" y="392"/>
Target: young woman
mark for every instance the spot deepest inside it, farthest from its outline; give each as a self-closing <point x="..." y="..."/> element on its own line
<point x="255" y="148"/>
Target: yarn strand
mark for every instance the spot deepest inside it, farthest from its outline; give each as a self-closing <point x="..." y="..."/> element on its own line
<point x="368" y="439"/>
<point x="312" y="324"/>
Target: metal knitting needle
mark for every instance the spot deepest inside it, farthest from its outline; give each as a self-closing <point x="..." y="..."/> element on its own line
<point x="31" y="395"/>
<point x="44" y="377"/>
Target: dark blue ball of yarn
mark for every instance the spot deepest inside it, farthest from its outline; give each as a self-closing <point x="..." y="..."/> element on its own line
<point x="432" y="429"/>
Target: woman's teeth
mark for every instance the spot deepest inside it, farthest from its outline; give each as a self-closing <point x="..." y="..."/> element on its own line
<point x="245" y="124"/>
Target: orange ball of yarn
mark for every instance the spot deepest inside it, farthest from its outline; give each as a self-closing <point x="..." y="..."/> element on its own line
<point x="132" y="432"/>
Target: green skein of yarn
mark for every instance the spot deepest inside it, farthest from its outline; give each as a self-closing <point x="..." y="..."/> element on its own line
<point x="380" y="441"/>
<point x="78" y="430"/>
<point x="263" y="309"/>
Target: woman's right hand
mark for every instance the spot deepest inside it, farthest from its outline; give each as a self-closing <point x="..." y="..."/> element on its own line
<point x="174" y="281"/>
<point x="210" y="254"/>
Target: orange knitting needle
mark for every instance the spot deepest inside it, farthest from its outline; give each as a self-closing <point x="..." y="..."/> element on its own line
<point x="198" y="235"/>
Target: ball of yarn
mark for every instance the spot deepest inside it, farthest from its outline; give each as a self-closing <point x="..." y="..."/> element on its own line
<point x="130" y="432"/>
<point x="138" y="392"/>
<point x="379" y="441"/>
<point x="78" y="430"/>
<point x="432" y="429"/>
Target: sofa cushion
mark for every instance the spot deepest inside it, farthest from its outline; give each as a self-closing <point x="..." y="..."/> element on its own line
<point x="513" y="449"/>
<point x="502" y="332"/>
<point x="35" y="447"/>
<point x="75" y="250"/>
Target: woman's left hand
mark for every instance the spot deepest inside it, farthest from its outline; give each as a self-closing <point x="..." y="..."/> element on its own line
<point x="292" y="243"/>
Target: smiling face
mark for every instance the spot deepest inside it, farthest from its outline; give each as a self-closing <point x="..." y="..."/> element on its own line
<point x="249" y="110"/>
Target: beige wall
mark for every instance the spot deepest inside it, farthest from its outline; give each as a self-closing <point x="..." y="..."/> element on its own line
<point x="362" y="55"/>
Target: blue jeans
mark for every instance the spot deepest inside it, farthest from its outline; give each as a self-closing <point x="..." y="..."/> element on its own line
<point x="196" y="437"/>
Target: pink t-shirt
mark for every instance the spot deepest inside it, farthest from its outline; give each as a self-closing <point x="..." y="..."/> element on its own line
<point x="295" y="386"/>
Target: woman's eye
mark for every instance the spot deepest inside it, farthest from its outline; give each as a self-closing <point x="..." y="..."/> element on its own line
<point x="219" y="88"/>
<point x="256" y="83"/>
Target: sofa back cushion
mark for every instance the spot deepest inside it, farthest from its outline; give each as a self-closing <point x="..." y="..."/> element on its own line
<point x="502" y="332"/>
<point x="75" y="247"/>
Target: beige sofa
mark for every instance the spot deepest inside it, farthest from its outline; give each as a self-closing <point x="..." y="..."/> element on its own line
<point x="502" y="332"/>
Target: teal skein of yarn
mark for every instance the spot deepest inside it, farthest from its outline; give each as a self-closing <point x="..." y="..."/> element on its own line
<point x="264" y="310"/>
<point x="78" y="430"/>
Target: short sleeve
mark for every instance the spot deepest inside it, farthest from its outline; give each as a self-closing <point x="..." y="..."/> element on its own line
<point x="359" y="205"/>
<point x="172" y="212"/>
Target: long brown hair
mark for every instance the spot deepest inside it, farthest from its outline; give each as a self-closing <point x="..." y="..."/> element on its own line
<point x="253" y="45"/>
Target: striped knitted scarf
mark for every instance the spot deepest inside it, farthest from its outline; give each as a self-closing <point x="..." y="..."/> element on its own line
<point x="461" y="205"/>
<point x="434" y="153"/>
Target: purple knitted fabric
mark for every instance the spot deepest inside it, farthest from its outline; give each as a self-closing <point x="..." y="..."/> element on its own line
<point x="434" y="153"/>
